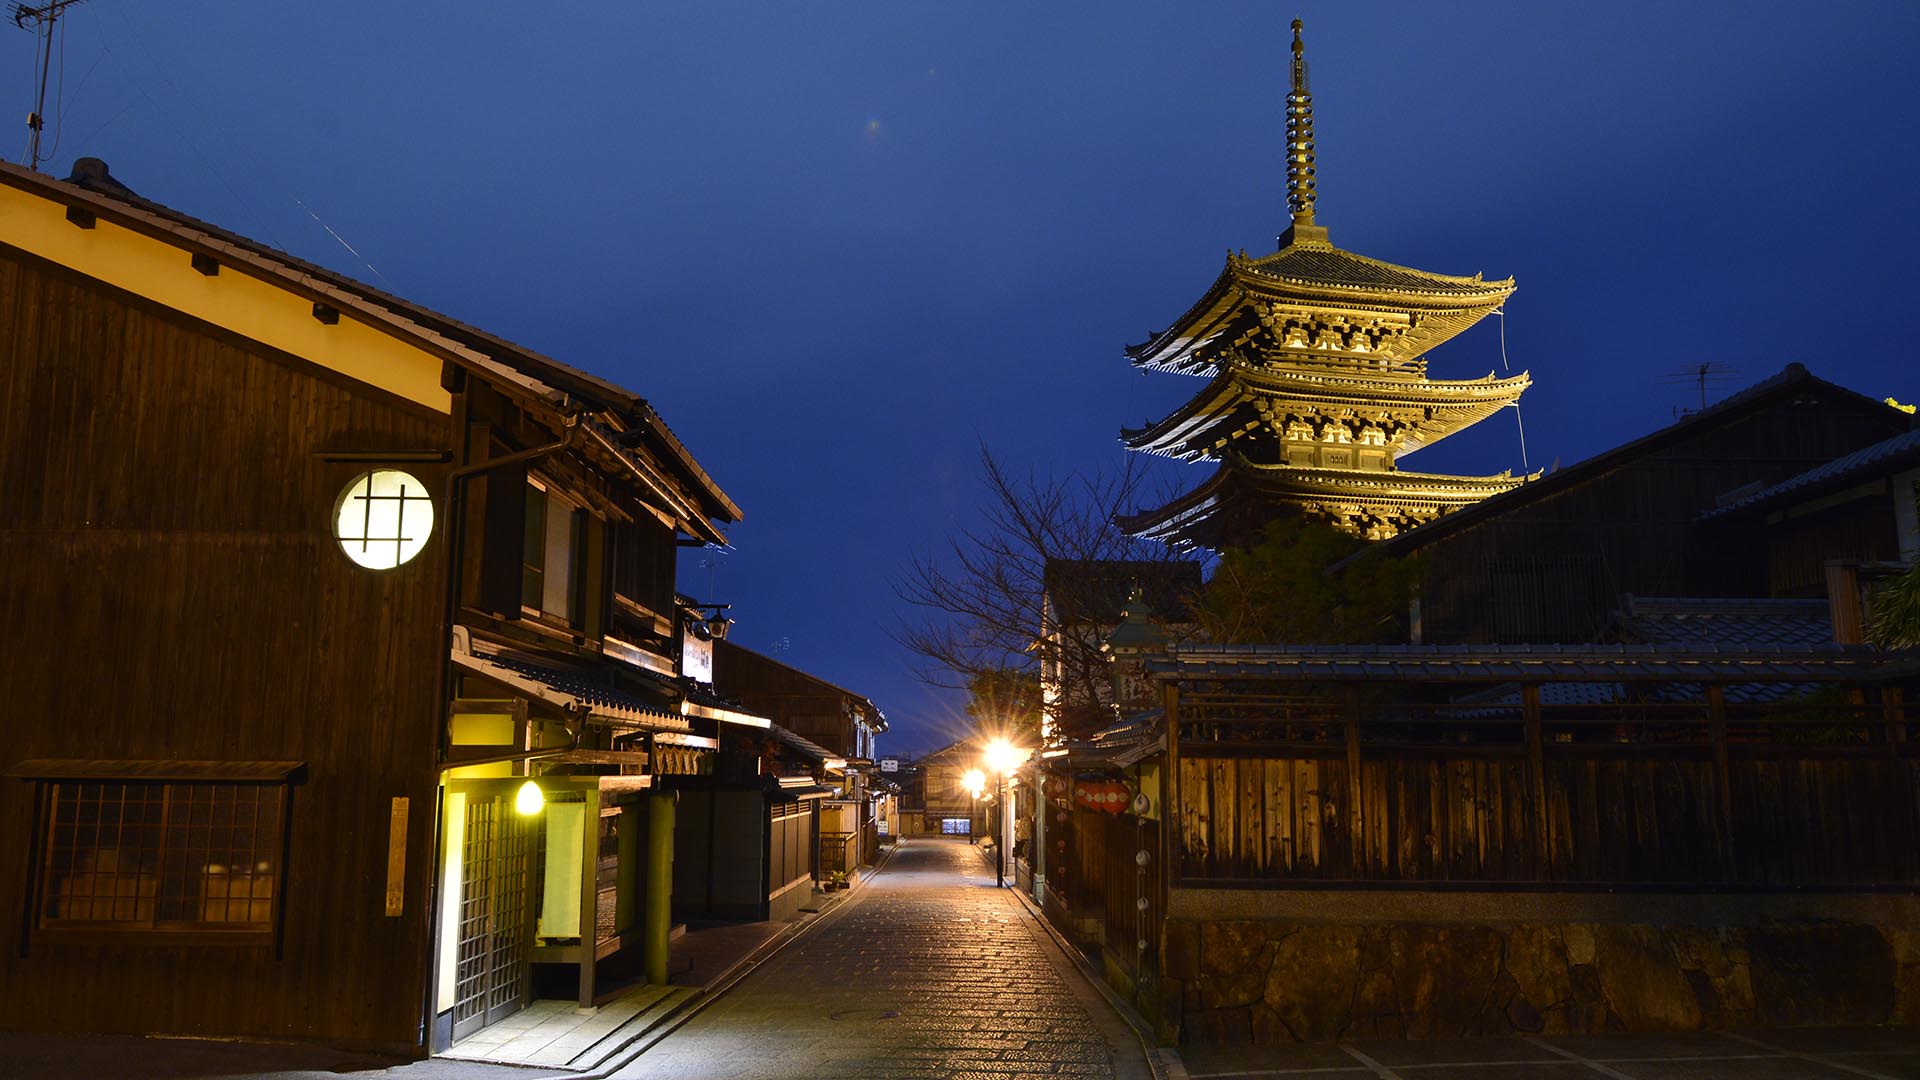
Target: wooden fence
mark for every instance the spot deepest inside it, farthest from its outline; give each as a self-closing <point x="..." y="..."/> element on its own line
<point x="1703" y="793"/>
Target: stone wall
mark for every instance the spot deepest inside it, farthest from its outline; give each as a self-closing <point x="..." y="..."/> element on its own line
<point x="1283" y="980"/>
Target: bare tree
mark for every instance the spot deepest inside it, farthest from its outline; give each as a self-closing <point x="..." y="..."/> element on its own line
<point x="977" y="619"/>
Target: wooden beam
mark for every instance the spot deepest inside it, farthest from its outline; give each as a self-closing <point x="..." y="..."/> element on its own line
<point x="1722" y="773"/>
<point x="1537" y="778"/>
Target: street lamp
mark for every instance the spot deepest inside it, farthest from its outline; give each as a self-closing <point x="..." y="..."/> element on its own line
<point x="1002" y="758"/>
<point x="975" y="782"/>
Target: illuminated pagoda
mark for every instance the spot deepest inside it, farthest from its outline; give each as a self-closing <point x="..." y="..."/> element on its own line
<point x="1317" y="382"/>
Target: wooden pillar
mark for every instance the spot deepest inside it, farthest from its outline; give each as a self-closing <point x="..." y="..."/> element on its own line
<point x="1722" y="771"/>
<point x="658" y="912"/>
<point x="589" y="897"/>
<point x="1356" y="854"/>
<point x="1537" y="780"/>
<point x="1893" y="711"/>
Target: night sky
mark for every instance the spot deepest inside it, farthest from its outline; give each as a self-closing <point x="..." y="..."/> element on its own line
<point x="842" y="245"/>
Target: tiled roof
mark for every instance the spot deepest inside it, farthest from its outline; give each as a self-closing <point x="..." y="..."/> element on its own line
<point x="1693" y="624"/>
<point x="1313" y="264"/>
<point x="1886" y="456"/>
<point x="588" y="689"/>
<point x="1534" y="663"/>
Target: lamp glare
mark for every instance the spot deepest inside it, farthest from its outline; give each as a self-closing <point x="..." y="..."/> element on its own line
<point x="530" y="799"/>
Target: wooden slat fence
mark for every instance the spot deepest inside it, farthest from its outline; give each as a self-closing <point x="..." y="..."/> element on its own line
<point x="1603" y="795"/>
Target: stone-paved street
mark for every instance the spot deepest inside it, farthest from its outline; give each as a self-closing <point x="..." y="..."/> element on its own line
<point x="927" y="972"/>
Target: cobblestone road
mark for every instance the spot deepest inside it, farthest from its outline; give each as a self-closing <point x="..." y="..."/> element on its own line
<point x="927" y="973"/>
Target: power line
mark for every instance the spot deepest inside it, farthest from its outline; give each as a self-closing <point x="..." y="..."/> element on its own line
<point x="42" y="20"/>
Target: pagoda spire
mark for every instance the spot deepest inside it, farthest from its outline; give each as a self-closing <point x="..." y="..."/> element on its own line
<point x="1300" y="170"/>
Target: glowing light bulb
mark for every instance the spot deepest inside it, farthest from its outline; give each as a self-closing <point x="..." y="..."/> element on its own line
<point x="530" y="799"/>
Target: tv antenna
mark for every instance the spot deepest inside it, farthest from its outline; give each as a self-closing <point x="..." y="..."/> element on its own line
<point x="1699" y="375"/>
<point x="41" y="21"/>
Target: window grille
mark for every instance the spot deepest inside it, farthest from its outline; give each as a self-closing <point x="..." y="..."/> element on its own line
<point x="161" y="856"/>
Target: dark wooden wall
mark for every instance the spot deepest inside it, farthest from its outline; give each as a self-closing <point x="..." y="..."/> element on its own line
<point x="1554" y="569"/>
<point x="170" y="588"/>
<point x="793" y="699"/>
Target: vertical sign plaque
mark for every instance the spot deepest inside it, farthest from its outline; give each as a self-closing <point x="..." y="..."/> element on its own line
<point x="397" y="857"/>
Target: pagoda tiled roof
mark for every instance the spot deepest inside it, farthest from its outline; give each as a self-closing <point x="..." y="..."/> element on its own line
<point x="1319" y="265"/>
<point x="1314" y="273"/>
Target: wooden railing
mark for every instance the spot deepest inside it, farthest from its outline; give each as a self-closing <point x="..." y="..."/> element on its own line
<point x="1808" y="793"/>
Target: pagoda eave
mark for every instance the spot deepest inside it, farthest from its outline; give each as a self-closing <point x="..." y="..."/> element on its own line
<point x="1378" y="504"/>
<point x="1242" y="399"/>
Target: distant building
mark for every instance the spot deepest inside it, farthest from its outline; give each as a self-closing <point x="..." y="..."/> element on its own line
<point x="1748" y="497"/>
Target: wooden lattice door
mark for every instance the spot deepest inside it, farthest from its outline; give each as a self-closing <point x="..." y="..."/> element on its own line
<point x="491" y="977"/>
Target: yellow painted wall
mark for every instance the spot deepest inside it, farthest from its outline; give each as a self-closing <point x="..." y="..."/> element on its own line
<point x="246" y="305"/>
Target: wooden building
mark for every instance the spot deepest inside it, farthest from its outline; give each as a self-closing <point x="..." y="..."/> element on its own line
<point x="305" y="588"/>
<point x="838" y="720"/>
<point x="1673" y="513"/>
<point x="1317" y="382"/>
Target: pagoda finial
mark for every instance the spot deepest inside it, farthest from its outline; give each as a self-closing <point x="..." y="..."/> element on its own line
<point x="1300" y="171"/>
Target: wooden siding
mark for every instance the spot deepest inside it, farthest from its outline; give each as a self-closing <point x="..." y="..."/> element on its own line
<point x="1554" y="568"/>
<point x="169" y="588"/>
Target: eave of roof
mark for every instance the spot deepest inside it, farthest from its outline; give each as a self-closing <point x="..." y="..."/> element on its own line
<point x="1451" y="404"/>
<point x="1237" y="479"/>
<point x="486" y="354"/>
<point x="1454" y="302"/>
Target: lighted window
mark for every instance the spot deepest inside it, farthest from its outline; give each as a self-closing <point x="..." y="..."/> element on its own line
<point x="383" y="519"/>
<point x="161" y="856"/>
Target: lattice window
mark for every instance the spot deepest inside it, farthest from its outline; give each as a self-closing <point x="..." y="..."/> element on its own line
<point x="122" y="855"/>
<point x="383" y="519"/>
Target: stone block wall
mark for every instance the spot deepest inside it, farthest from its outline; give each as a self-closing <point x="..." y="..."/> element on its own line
<point x="1290" y="980"/>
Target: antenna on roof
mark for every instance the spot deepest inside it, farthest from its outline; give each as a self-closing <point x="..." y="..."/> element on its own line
<point x="42" y="19"/>
<point x="1699" y="375"/>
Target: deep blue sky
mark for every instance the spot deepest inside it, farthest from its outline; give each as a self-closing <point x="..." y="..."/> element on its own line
<point x="841" y="244"/>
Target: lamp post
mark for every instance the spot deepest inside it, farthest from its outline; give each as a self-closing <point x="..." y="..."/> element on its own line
<point x="975" y="782"/>
<point x="1002" y="758"/>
